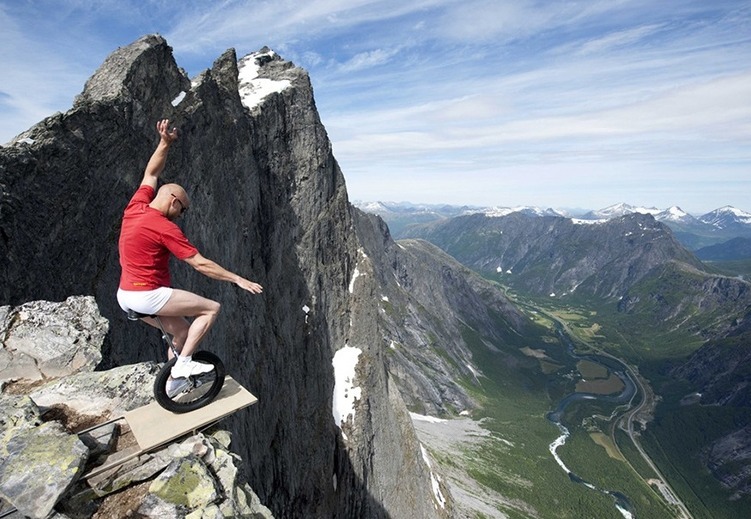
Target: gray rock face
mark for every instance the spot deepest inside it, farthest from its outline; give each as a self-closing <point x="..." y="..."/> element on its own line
<point x="729" y="459"/>
<point x="546" y="255"/>
<point x="101" y="393"/>
<point x="41" y="339"/>
<point x="18" y="412"/>
<point x="269" y="202"/>
<point x="42" y="461"/>
<point x="424" y="299"/>
<point x="38" y="465"/>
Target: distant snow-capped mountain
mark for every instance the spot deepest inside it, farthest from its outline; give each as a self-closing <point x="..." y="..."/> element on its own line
<point x="676" y="215"/>
<point x="528" y="210"/>
<point x="694" y="232"/>
<point x="618" y="210"/>
<point x="406" y="208"/>
<point x="381" y="208"/>
<point x="720" y="218"/>
<point x="371" y="207"/>
<point x="673" y="214"/>
<point x="726" y="218"/>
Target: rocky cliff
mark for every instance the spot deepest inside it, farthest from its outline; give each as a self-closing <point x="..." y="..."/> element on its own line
<point x="61" y="423"/>
<point x="427" y="302"/>
<point x="269" y="202"/>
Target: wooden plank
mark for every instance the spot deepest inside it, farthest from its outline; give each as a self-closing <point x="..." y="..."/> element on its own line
<point x="111" y="463"/>
<point x="152" y="425"/>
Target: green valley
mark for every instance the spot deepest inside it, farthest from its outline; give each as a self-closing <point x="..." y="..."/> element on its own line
<point x="599" y="449"/>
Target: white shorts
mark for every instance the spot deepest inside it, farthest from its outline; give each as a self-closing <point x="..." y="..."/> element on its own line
<point x="144" y="301"/>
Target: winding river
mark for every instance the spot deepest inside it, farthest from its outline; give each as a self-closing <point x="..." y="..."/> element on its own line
<point x="622" y="503"/>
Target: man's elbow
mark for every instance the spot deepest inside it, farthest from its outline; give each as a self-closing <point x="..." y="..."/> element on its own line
<point x="197" y="262"/>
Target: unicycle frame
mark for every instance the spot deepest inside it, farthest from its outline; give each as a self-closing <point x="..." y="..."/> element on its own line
<point x="166" y="339"/>
<point x="204" y="396"/>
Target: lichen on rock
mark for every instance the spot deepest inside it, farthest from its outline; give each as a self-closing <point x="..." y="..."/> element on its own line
<point x="38" y="465"/>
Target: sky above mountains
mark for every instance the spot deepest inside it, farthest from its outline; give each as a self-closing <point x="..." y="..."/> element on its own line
<point x="550" y="103"/>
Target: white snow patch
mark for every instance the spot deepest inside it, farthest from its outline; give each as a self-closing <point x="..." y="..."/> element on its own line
<point x="252" y="88"/>
<point x="499" y="270"/>
<point x="345" y="391"/>
<point x="26" y="140"/>
<point x="433" y="479"/>
<point x="179" y="99"/>
<point x="355" y="275"/>
<point x="579" y="221"/>
<point x="392" y="345"/>
<point x="385" y="299"/>
<point x="306" y="310"/>
<point x="424" y="418"/>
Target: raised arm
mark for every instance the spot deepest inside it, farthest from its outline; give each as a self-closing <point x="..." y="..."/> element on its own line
<point x="159" y="158"/>
<point x="215" y="271"/>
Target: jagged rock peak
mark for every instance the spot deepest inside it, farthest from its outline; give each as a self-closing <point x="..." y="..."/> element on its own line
<point x="143" y="70"/>
<point x="271" y="203"/>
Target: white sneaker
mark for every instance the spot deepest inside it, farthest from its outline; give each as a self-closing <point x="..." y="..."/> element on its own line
<point x="176" y="386"/>
<point x="190" y="368"/>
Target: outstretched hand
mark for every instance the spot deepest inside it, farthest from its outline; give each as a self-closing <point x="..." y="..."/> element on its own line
<point x="167" y="135"/>
<point x="250" y="286"/>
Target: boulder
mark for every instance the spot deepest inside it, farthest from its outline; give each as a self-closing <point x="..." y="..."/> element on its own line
<point x="101" y="393"/>
<point x="17" y="411"/>
<point x="42" y="339"/>
<point x="38" y="465"/>
<point x="186" y="482"/>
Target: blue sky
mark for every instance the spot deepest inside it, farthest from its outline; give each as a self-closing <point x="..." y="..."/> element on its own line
<point x="550" y="103"/>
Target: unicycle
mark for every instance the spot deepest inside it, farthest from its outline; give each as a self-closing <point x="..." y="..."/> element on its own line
<point x="185" y="394"/>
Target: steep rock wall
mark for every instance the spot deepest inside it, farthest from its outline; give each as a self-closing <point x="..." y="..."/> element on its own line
<point x="269" y="202"/>
<point x="427" y="301"/>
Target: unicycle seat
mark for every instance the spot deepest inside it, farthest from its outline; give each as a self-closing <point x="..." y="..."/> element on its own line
<point x="135" y="316"/>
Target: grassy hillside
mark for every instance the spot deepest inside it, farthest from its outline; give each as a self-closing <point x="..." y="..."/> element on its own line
<point x="515" y="461"/>
<point x="679" y="435"/>
<point x="641" y="303"/>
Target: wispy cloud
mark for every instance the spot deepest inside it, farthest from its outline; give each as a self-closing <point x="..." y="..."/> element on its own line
<point x="365" y="60"/>
<point x="520" y="96"/>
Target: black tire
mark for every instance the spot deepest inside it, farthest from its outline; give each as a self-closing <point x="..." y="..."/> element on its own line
<point x="210" y="385"/>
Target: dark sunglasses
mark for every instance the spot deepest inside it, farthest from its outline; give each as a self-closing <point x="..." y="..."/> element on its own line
<point x="182" y="206"/>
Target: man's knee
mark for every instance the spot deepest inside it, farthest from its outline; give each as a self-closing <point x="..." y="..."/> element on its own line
<point x="214" y="308"/>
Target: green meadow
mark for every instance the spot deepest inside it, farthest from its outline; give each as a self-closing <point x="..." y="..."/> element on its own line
<point x="530" y="373"/>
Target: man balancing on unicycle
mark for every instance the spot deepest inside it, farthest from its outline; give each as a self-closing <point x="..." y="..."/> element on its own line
<point x="148" y="236"/>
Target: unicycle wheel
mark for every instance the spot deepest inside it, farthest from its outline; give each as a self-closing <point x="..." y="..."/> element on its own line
<point x="189" y="394"/>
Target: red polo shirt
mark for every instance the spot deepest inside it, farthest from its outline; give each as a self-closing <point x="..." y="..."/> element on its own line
<point x="147" y="238"/>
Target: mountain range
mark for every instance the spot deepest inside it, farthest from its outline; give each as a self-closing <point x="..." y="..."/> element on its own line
<point x="694" y="232"/>
<point x="680" y="321"/>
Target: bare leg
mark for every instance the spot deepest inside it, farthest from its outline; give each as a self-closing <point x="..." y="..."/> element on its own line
<point x="177" y="327"/>
<point x="183" y="303"/>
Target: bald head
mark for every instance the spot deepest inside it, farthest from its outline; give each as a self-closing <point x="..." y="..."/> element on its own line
<point x="171" y="200"/>
<point x="172" y="189"/>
